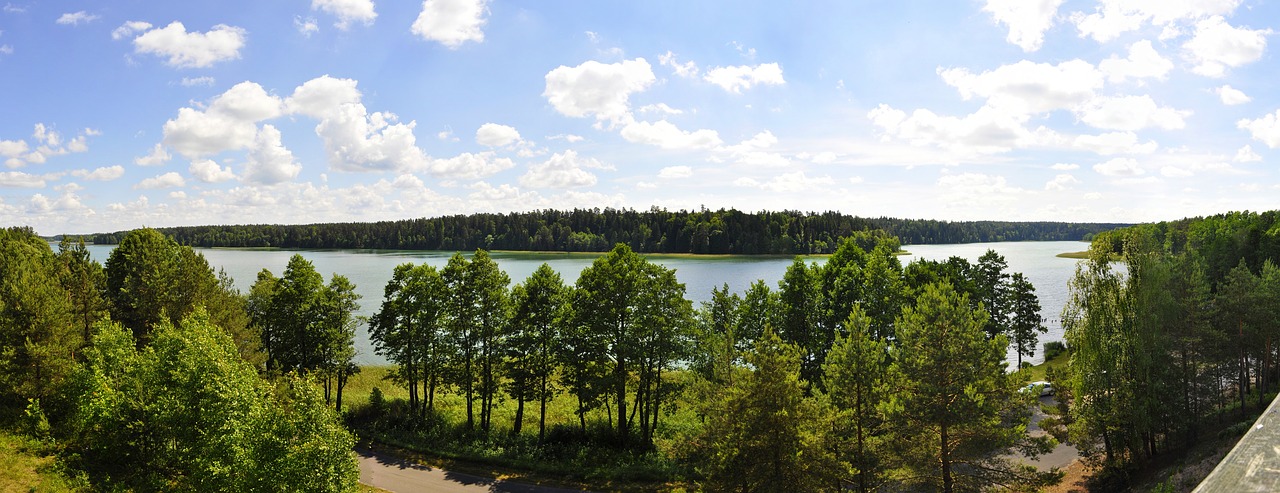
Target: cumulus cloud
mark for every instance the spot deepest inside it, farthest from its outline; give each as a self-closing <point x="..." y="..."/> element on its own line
<point x="347" y="11"/>
<point x="203" y="81"/>
<point x="105" y="173"/>
<point x="1143" y="62"/>
<point x="18" y="179"/>
<point x="1061" y="182"/>
<point x="451" y="22"/>
<point x="1218" y="46"/>
<point x="675" y="172"/>
<point x="76" y="18"/>
<point x="186" y="49"/>
<point x="788" y="183"/>
<point x="686" y="69"/>
<point x="737" y="78"/>
<point x="157" y="157"/>
<point x="269" y="162"/>
<point x="305" y="26"/>
<point x="563" y="170"/>
<point x="1114" y="143"/>
<point x="1115" y="17"/>
<point x="1119" y="167"/>
<point x="977" y="188"/>
<point x="208" y="171"/>
<point x="167" y="180"/>
<point x="599" y="89"/>
<point x="1026" y="87"/>
<point x="1027" y="19"/>
<point x="230" y="121"/>
<point x="495" y="135"/>
<point x="47" y="143"/>
<point x="1065" y="166"/>
<point x="1265" y="129"/>
<point x="1246" y="154"/>
<point x="469" y="166"/>
<point x="356" y="140"/>
<point x="755" y="151"/>
<point x="666" y="135"/>
<point x="986" y="131"/>
<point x="1232" y="96"/>
<point x="13" y="151"/>
<point x="1130" y="113"/>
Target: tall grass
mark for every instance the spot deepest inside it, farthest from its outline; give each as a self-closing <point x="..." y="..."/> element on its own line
<point x="26" y="465"/>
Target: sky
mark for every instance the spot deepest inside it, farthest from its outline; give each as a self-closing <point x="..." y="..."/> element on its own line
<point x="118" y="115"/>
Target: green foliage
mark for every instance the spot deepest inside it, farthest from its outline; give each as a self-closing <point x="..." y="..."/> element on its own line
<point x="39" y="335"/>
<point x="1054" y="348"/>
<point x="725" y="231"/>
<point x="408" y="330"/>
<point x="856" y="374"/>
<point x="187" y="413"/>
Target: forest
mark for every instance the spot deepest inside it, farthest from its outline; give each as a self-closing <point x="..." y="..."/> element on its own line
<point x="724" y="231"/>
<point x="854" y="373"/>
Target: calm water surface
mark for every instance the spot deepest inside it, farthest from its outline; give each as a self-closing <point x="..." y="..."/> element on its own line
<point x="371" y="269"/>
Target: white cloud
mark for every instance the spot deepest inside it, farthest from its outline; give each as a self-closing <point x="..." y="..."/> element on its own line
<point x="495" y="135"/>
<point x="451" y="22"/>
<point x="570" y="138"/>
<point x="1174" y="172"/>
<point x="666" y="135"/>
<point x="826" y="157"/>
<point x="306" y="27"/>
<point x="1061" y="182"/>
<point x="687" y="69"/>
<point x="675" y="172"/>
<point x="469" y="166"/>
<point x="595" y="88"/>
<point x="986" y="131"/>
<point x="1027" y="19"/>
<point x="736" y="78"/>
<point x="6" y="49"/>
<point x="755" y="151"/>
<point x="204" y="81"/>
<point x="106" y="173"/>
<point x="789" y="183"/>
<point x="660" y="108"/>
<point x="1114" y="17"/>
<point x="1120" y="166"/>
<point x="977" y="189"/>
<point x="1065" y="166"/>
<point x="192" y="49"/>
<point x="167" y="180"/>
<point x="1218" y="46"/>
<point x="66" y="202"/>
<point x="157" y="157"/>
<point x="208" y="171"/>
<point x="229" y="123"/>
<point x="75" y="18"/>
<point x="355" y="139"/>
<point x="269" y="162"/>
<point x="1028" y="88"/>
<point x="347" y="11"/>
<point x="1246" y="154"/>
<point x="1143" y="62"/>
<point x="12" y="151"/>
<point x="129" y="29"/>
<point x="18" y="179"/>
<point x="562" y="170"/>
<point x="1265" y="129"/>
<point x="1130" y="113"/>
<point x="1232" y="96"/>
<point x="1114" y="143"/>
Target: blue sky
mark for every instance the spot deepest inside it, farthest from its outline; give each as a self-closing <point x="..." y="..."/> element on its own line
<point x="124" y="114"/>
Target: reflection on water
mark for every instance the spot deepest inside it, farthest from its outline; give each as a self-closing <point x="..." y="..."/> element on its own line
<point x="370" y="270"/>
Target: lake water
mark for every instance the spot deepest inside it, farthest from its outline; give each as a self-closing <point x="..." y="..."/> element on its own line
<point x="371" y="269"/>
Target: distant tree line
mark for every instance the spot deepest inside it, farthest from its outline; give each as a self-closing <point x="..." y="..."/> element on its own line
<point x="1174" y="343"/>
<point x="724" y="231"/>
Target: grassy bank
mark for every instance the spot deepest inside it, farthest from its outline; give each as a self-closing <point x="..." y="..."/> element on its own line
<point x="26" y="466"/>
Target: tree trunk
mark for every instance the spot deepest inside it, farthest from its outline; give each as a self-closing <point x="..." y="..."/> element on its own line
<point x="944" y="458"/>
<point x="519" y="423"/>
<point x="542" y="408"/>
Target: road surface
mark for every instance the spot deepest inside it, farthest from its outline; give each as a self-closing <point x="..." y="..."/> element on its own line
<point x="400" y="475"/>
<point x="1062" y="455"/>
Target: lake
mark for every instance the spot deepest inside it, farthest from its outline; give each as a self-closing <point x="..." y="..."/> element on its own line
<point x="371" y="269"/>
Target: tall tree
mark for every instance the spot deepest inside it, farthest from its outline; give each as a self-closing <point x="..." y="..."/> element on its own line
<point x="85" y="281"/>
<point x="1025" y="321"/>
<point x="335" y="333"/>
<point x="462" y="331"/>
<point x="856" y="374"/>
<point x="535" y="339"/>
<point x="39" y="332"/>
<point x="409" y="331"/>
<point x="488" y="285"/>
<point x="956" y="412"/>
<point x="799" y="294"/>
<point x="991" y="289"/>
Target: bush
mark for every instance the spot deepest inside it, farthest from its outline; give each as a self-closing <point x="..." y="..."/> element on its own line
<point x="1053" y="348"/>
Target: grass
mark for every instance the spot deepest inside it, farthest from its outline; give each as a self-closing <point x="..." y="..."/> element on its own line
<point x="24" y="466"/>
<point x="1037" y="372"/>
<point x="1076" y="255"/>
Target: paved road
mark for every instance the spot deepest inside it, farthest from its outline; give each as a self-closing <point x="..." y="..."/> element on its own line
<point x="403" y="476"/>
<point x="1062" y="455"/>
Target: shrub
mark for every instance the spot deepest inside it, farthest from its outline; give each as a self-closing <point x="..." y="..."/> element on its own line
<point x="1053" y="348"/>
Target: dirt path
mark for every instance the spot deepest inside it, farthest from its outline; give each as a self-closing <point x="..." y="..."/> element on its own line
<point x="400" y="475"/>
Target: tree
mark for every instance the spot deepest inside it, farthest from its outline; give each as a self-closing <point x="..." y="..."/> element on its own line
<point x="187" y="413"/>
<point x="1024" y="312"/>
<point x="956" y="413"/>
<point x="856" y="373"/>
<point x="540" y="310"/>
<point x="409" y="330"/>
<point x="487" y="284"/>
<point x="336" y="326"/>
<point x="39" y="330"/>
<point x="85" y="281"/>
<point x="991" y="289"/>
<point x="762" y="433"/>
<point x="462" y="332"/>
<point x="799" y="294"/>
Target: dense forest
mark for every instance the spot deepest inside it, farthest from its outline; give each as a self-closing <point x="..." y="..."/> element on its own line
<point x="596" y="230"/>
